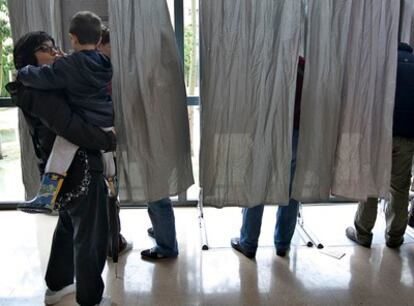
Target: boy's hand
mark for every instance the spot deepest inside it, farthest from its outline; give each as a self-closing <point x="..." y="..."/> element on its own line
<point x="112" y="136"/>
<point x="59" y="52"/>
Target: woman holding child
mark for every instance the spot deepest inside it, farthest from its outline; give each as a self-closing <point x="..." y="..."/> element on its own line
<point x="80" y="240"/>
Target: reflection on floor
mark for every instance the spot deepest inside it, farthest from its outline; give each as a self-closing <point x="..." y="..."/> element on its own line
<point x="11" y="184"/>
<point x="220" y="276"/>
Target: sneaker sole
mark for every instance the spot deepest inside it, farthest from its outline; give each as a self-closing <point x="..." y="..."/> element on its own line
<point x="53" y="299"/>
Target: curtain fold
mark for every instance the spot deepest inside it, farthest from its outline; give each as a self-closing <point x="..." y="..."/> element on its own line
<point x="28" y="16"/>
<point x="347" y="101"/>
<point x="154" y="157"/>
<point x="407" y="22"/>
<point x="249" y="54"/>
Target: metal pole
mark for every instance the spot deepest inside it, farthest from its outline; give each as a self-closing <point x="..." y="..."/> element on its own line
<point x="201" y="222"/>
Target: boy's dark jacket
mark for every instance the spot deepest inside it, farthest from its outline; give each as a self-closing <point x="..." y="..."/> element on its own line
<point x="48" y="114"/>
<point x="85" y="77"/>
<point x="404" y="94"/>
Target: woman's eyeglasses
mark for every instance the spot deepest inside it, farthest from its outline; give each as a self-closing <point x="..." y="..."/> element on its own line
<point x="46" y="48"/>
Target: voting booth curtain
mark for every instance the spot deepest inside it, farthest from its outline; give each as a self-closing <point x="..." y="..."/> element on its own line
<point x="154" y="156"/>
<point x="28" y="16"/>
<point x="345" y="137"/>
<point x="249" y="56"/>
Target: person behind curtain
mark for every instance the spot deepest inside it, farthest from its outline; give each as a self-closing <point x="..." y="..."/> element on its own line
<point x="286" y="215"/>
<point x="162" y="218"/>
<point x="104" y="47"/>
<point x="80" y="241"/>
<point x="85" y="76"/>
<point x="396" y="213"/>
<point x="161" y="212"/>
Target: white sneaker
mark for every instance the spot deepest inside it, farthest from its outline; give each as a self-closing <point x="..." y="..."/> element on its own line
<point x="106" y="301"/>
<point x="53" y="297"/>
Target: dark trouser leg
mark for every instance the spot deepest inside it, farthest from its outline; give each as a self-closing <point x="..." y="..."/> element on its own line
<point x="397" y="210"/>
<point x="365" y="218"/>
<point x="90" y="223"/>
<point x="60" y="269"/>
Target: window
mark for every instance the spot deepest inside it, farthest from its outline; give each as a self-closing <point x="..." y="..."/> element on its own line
<point x="186" y="25"/>
<point x="185" y="19"/>
<point x="6" y="48"/>
<point x="192" y="80"/>
<point x="11" y="185"/>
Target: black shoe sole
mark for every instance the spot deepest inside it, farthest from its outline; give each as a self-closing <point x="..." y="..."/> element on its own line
<point x="150" y="258"/>
<point x="394" y="245"/>
<point x="35" y="210"/>
<point x="239" y="249"/>
<point x="154" y="256"/>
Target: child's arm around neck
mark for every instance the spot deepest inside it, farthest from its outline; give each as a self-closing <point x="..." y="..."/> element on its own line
<point x="45" y="77"/>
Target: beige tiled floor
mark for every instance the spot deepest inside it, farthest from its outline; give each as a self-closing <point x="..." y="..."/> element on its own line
<point x="219" y="276"/>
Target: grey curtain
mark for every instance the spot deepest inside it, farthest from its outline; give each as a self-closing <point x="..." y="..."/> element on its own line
<point x="27" y="16"/>
<point x="150" y="102"/>
<point x="347" y="101"/>
<point x="407" y="22"/>
<point x="36" y="15"/>
<point x="249" y="54"/>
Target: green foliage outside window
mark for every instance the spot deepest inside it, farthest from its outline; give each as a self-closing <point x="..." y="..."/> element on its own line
<point x="188" y="49"/>
<point x="6" y="48"/>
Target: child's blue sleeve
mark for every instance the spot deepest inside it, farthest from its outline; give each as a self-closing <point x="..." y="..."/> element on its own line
<point x="43" y="77"/>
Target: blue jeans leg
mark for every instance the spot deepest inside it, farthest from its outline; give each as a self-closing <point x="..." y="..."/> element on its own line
<point x="163" y="222"/>
<point x="250" y="230"/>
<point x="286" y="216"/>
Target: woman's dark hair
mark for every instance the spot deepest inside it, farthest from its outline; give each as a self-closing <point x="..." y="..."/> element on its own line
<point x="24" y="49"/>
<point x="105" y="35"/>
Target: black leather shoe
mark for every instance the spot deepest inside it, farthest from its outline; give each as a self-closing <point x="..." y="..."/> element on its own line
<point x="150" y="232"/>
<point x="350" y="232"/>
<point x="281" y="253"/>
<point x="152" y="254"/>
<point x="235" y="244"/>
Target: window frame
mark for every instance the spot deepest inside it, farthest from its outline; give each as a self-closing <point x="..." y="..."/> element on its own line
<point x="191" y="100"/>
